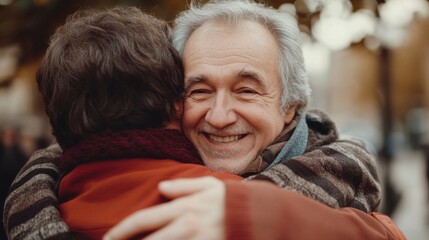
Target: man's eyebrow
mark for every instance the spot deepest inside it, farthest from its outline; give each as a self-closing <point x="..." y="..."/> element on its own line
<point x="253" y="76"/>
<point x="193" y="79"/>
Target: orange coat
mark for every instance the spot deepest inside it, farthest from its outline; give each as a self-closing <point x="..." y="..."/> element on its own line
<point x="261" y="210"/>
<point x="97" y="195"/>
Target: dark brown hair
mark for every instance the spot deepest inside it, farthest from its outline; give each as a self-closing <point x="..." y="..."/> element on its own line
<point x="109" y="69"/>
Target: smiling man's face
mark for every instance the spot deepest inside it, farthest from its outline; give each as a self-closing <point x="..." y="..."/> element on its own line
<point x="233" y="90"/>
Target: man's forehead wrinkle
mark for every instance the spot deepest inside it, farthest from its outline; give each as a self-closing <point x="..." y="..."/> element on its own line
<point x="220" y="61"/>
<point x="219" y="53"/>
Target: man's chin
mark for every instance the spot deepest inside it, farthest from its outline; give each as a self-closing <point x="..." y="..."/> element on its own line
<point x="223" y="165"/>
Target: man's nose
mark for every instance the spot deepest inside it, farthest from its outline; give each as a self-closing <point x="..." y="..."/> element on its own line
<point x="222" y="112"/>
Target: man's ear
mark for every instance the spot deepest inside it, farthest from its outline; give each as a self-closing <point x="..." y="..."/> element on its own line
<point x="290" y="113"/>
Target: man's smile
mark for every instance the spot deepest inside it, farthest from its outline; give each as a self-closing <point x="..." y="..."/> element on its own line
<point x="224" y="139"/>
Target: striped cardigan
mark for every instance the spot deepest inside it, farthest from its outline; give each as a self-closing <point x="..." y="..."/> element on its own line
<point x="339" y="172"/>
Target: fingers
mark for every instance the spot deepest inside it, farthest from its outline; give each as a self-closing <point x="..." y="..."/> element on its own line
<point x="144" y="220"/>
<point x="181" y="229"/>
<point x="182" y="187"/>
<point x="173" y="220"/>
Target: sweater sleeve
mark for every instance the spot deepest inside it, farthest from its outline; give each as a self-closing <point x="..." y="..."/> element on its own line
<point x="260" y="210"/>
<point x="31" y="208"/>
<point x="341" y="173"/>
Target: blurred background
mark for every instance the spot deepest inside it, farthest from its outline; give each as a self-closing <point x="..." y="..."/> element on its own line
<point x="368" y="62"/>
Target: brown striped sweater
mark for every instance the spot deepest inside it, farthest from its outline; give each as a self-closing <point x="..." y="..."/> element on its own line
<point x="338" y="172"/>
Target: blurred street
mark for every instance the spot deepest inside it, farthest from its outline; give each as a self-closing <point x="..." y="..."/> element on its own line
<point x="412" y="212"/>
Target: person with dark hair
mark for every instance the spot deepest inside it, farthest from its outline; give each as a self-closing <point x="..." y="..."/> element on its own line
<point x="112" y="85"/>
<point x="109" y="70"/>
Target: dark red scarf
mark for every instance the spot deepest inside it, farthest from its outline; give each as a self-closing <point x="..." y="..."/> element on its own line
<point x="149" y="143"/>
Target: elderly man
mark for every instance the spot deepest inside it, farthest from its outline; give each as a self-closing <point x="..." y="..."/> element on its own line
<point x="245" y="106"/>
<point x="246" y="94"/>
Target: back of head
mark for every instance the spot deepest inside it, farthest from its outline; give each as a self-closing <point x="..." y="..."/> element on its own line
<point x="284" y="28"/>
<point x="109" y="69"/>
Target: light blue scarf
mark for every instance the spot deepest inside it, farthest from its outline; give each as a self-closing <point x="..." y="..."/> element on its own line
<point x="296" y="145"/>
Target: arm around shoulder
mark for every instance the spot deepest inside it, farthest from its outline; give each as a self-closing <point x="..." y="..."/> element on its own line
<point x="31" y="208"/>
<point x="260" y="210"/>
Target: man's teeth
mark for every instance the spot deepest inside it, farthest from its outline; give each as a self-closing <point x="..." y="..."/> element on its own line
<point x="224" y="139"/>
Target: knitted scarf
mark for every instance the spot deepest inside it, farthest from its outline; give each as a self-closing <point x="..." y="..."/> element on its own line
<point x="291" y="142"/>
<point x="150" y="143"/>
<point x="339" y="172"/>
<point x="336" y="171"/>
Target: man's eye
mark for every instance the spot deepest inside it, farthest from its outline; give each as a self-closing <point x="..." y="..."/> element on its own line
<point x="247" y="91"/>
<point x="199" y="91"/>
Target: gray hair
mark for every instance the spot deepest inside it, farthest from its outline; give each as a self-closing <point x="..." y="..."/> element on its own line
<point x="296" y="89"/>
